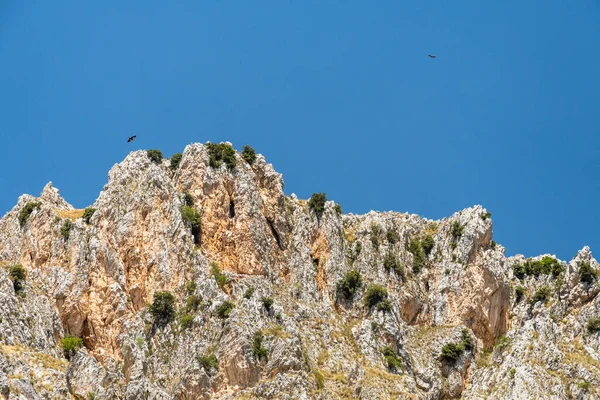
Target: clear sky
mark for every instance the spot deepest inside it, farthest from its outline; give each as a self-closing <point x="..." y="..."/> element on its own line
<point x="339" y="95"/>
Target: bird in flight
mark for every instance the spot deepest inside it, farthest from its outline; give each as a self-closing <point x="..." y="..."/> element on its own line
<point x="131" y="139"/>
<point x="430" y="56"/>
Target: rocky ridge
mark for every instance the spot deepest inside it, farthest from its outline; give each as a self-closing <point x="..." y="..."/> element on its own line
<point x="522" y="328"/>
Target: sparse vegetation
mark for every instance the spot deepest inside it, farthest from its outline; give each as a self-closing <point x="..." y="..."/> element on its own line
<point x="419" y="258"/>
<point x="546" y="266"/>
<point x="587" y="274"/>
<point x="192" y="303"/>
<point x="18" y="276"/>
<point x="249" y="154"/>
<point x="467" y="341"/>
<point x="392" y="237"/>
<point x="593" y="325"/>
<point x="249" y="292"/>
<point x="220" y="277"/>
<point x="541" y="295"/>
<point x="338" y="209"/>
<point x="267" y="302"/>
<point x="512" y="373"/>
<point x="257" y="348"/>
<point x="87" y="214"/>
<point x="27" y="210"/>
<point x="70" y="345"/>
<point x="585" y="385"/>
<point x="385" y="306"/>
<point x="427" y="244"/>
<point x="349" y="284"/>
<point x="163" y="307"/>
<point x="519" y="293"/>
<point x="224" y="309"/>
<point x="375" y="235"/>
<point x="186" y="321"/>
<point x="391" y="262"/>
<point x="375" y="295"/>
<point x="190" y="288"/>
<point x="451" y="352"/>
<point x="209" y="363"/>
<point x="486" y="216"/>
<point x="65" y="229"/>
<point x="456" y="230"/>
<point x="392" y="360"/>
<point x="194" y="219"/>
<point x="155" y="156"/>
<point x="219" y="153"/>
<point x="316" y="203"/>
<point x="175" y="160"/>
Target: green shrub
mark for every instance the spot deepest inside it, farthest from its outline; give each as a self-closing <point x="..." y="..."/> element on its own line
<point x="175" y="160"/>
<point x="427" y="244"/>
<point x="593" y="325"/>
<point x="391" y="262"/>
<point x="392" y="360"/>
<point x="467" y="341"/>
<point x="192" y="303"/>
<point x="188" y="200"/>
<point x="27" y="210"/>
<point x="519" y="293"/>
<point x="419" y="258"/>
<point x="18" y="276"/>
<point x="70" y="345"/>
<point x="547" y="265"/>
<point x="186" y="321"/>
<point x="316" y="203"/>
<point x="87" y="214"/>
<point x="486" y="216"/>
<point x="221" y="153"/>
<point x="585" y="385"/>
<point x="393" y="237"/>
<point x="349" y="284"/>
<point x="375" y="294"/>
<point x="267" y="302"/>
<point x="587" y="274"/>
<point x="209" y="363"/>
<point x="155" y="156"/>
<point x="249" y="292"/>
<point x="384" y="306"/>
<point x="224" y="309"/>
<point x="541" y="295"/>
<point x="512" y="373"/>
<point x="257" y="349"/>
<point x="456" y="230"/>
<point x="190" y="288"/>
<point x="493" y="245"/>
<point x="220" y="277"/>
<point x="519" y="271"/>
<point x="248" y="154"/>
<point x="163" y="307"/>
<point x="194" y="218"/>
<point x="502" y="342"/>
<point x="338" y="209"/>
<point x="451" y="352"/>
<point x="65" y="230"/>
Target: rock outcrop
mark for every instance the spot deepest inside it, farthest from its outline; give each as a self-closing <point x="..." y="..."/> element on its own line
<point x="262" y="310"/>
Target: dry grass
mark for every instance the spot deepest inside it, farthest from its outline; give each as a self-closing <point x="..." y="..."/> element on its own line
<point x="31" y="356"/>
<point x="71" y="214"/>
<point x="277" y="331"/>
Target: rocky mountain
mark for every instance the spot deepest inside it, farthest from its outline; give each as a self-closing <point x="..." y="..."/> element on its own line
<point x="198" y="278"/>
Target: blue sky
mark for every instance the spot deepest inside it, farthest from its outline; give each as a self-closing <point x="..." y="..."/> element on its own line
<point x="339" y="95"/>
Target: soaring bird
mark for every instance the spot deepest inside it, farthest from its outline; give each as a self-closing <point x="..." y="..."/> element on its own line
<point x="430" y="56"/>
<point x="131" y="139"/>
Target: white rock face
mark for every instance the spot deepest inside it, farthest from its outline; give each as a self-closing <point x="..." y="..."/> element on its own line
<point x="261" y="310"/>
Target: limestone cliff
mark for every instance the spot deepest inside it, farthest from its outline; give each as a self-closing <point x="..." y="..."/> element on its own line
<point x="264" y="309"/>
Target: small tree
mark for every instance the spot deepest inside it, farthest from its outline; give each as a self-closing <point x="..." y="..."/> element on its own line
<point x="338" y="208"/>
<point x="155" y="156"/>
<point x="451" y="352"/>
<point x="390" y="262"/>
<point x="257" y="348"/>
<point x="593" y="325"/>
<point x="192" y="303"/>
<point x="248" y="154"/>
<point x="349" y="284"/>
<point x="317" y="203"/>
<point x="27" y="210"/>
<point x="587" y="274"/>
<point x="87" y="214"/>
<point x="70" y="345"/>
<point x="541" y="295"/>
<point x="418" y="253"/>
<point x="194" y="219"/>
<point x="18" y="276"/>
<point x="224" y="309"/>
<point x="375" y="294"/>
<point x="456" y="230"/>
<point x="163" y="307"/>
<point x="427" y="244"/>
<point x="219" y="153"/>
<point x="65" y="230"/>
<point x="175" y="160"/>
